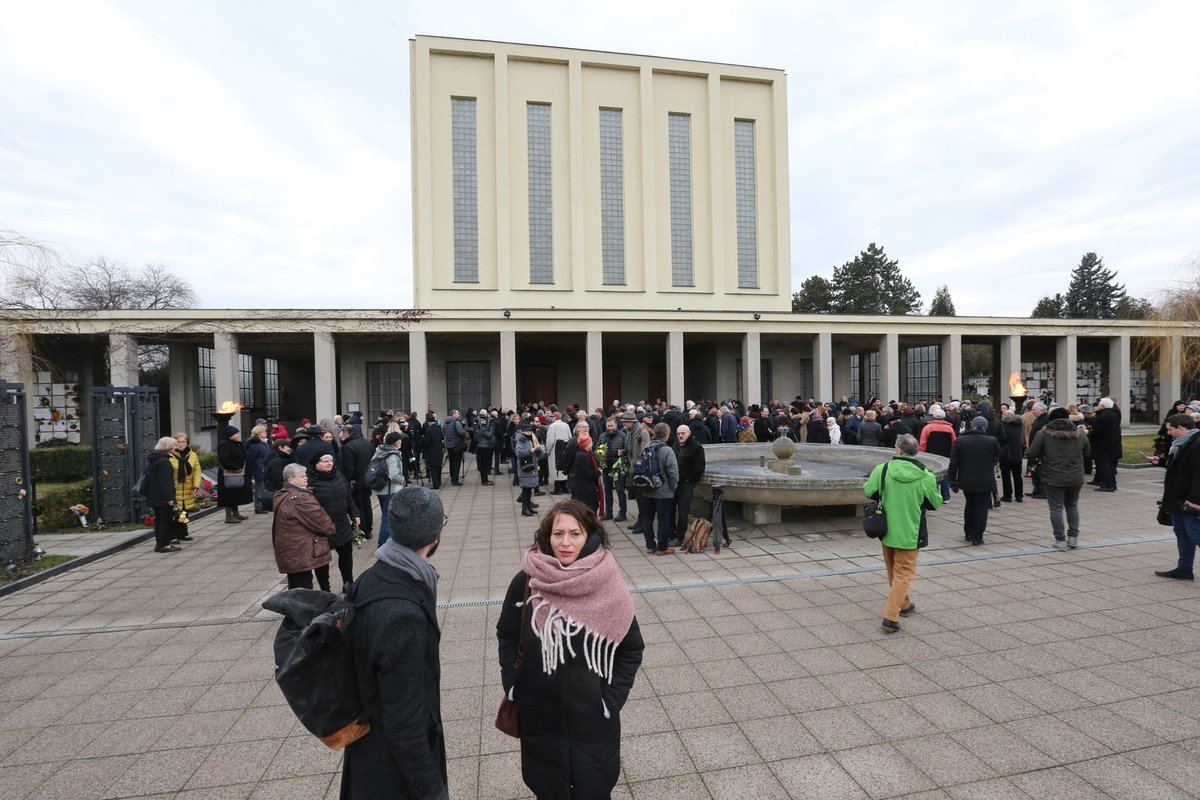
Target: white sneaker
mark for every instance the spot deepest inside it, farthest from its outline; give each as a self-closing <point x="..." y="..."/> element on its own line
<point x="1060" y="544"/>
<point x="1072" y="542"/>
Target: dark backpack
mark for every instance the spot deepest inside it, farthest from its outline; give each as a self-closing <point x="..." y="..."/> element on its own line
<point x="560" y="452"/>
<point x="377" y="473"/>
<point x="314" y="656"/>
<point x="647" y="467"/>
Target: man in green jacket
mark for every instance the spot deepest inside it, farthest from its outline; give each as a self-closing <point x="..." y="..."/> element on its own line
<point x="910" y="489"/>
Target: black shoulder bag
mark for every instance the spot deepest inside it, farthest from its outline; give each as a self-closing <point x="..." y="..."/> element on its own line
<point x="874" y="516"/>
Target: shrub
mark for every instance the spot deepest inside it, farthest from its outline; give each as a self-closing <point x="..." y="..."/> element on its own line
<point x="61" y="464"/>
<point x="56" y="498"/>
<point x="208" y="460"/>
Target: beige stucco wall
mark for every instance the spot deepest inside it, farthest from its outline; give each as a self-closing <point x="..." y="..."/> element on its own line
<point x="503" y="78"/>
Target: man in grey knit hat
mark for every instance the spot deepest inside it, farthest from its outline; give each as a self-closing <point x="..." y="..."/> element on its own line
<point x="397" y="661"/>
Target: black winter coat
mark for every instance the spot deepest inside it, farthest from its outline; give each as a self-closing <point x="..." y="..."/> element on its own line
<point x="582" y="480"/>
<point x="356" y="455"/>
<point x="333" y="493"/>
<point x="570" y="746"/>
<point x="973" y="462"/>
<point x="160" y="480"/>
<point x="257" y="452"/>
<point x="1011" y="451"/>
<point x="308" y="453"/>
<point x="691" y="462"/>
<point x="1182" y="481"/>
<point x="232" y="455"/>
<point x="396" y="661"/>
<point x="274" y="469"/>
<point x="1106" y="433"/>
<point x="433" y="443"/>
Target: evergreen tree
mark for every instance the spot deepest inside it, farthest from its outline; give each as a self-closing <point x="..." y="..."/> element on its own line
<point x="1049" y="307"/>
<point x="815" y="297"/>
<point x="872" y="284"/>
<point x="1134" y="308"/>
<point x="1094" y="292"/>
<point x="942" y="305"/>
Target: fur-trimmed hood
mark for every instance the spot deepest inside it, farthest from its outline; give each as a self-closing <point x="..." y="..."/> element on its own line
<point x="1061" y="429"/>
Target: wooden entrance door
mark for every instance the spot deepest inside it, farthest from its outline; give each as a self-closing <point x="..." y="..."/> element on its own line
<point x="539" y="382"/>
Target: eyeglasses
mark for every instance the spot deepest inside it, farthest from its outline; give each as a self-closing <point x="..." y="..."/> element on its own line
<point x="445" y="520"/>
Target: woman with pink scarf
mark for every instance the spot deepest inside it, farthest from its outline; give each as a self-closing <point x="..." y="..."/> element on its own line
<point x="569" y="651"/>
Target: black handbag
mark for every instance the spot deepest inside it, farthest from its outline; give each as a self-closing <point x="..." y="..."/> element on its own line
<point x="1164" y="516"/>
<point x="874" y="516"/>
<point x="506" y="716"/>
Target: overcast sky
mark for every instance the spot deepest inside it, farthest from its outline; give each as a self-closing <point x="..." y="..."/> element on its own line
<point x="261" y="149"/>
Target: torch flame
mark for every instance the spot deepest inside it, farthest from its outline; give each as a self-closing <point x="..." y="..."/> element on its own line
<point x="229" y="407"/>
<point x="1015" y="387"/>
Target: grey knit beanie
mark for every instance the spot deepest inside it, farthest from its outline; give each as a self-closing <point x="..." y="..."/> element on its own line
<point x="979" y="424"/>
<point x="415" y="517"/>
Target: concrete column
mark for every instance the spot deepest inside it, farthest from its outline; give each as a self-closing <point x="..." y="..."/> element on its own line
<point x="950" y="368"/>
<point x="418" y="372"/>
<point x="325" y="374"/>
<point x="225" y="363"/>
<point x="1118" y="375"/>
<point x="594" y="364"/>
<point x="1010" y="359"/>
<point x="122" y="360"/>
<point x="16" y="366"/>
<point x="889" y="366"/>
<point x="751" y="368"/>
<point x="823" y="366"/>
<point x="182" y="399"/>
<point x="508" y="370"/>
<point x="675" y="390"/>
<point x="1170" y="373"/>
<point x="1066" y="369"/>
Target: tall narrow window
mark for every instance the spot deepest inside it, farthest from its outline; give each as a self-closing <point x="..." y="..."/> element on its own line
<point x="924" y="373"/>
<point x="747" y="203"/>
<point x="387" y="387"/>
<point x="541" y="217"/>
<point x="206" y="382"/>
<point x="246" y="379"/>
<point x="612" y="197"/>
<point x="679" y="156"/>
<point x="468" y="385"/>
<point x="271" y="387"/>
<point x="466" y="190"/>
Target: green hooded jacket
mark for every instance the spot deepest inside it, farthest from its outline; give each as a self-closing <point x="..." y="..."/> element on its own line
<point x="909" y="487"/>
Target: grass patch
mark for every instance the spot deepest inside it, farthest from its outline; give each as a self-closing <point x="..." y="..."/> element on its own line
<point x="33" y="567"/>
<point x="1133" y="444"/>
<point x="77" y="528"/>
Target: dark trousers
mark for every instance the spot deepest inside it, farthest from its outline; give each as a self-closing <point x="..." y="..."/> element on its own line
<point x="645" y="521"/>
<point x="345" y="554"/>
<point x="384" y="529"/>
<point x="1106" y="470"/>
<point x="1012" y="479"/>
<point x="662" y="511"/>
<point x="683" y="507"/>
<point x="975" y="515"/>
<point x="614" y="486"/>
<point x="483" y="462"/>
<point x="366" y="512"/>
<point x="304" y="580"/>
<point x="434" y="470"/>
<point x="162" y="526"/>
<point x="456" y="466"/>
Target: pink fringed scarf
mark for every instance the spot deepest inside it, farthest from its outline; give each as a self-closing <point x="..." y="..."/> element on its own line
<point x="588" y="595"/>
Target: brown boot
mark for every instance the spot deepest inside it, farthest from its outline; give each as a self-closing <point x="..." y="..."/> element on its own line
<point x="231" y="517"/>
<point x="238" y="516"/>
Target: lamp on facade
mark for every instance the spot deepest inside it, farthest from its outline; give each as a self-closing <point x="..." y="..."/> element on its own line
<point x="757" y="316"/>
<point x="507" y="313"/>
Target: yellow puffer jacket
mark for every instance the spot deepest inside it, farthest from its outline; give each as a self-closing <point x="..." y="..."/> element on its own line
<point x="183" y="489"/>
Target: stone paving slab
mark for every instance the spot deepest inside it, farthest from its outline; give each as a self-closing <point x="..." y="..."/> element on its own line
<point x="1027" y="672"/>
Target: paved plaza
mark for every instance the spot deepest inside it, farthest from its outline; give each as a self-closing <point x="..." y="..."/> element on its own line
<point x="1026" y="672"/>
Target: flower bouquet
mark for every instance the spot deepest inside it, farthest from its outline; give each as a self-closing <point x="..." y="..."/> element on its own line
<point x="360" y="536"/>
<point x="181" y="515"/>
<point x="81" y="511"/>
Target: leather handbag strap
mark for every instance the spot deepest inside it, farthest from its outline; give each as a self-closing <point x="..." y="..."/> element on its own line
<point x="521" y="637"/>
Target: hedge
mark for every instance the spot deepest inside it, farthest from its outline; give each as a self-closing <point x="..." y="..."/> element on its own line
<point x="62" y="464"/>
<point x="208" y="460"/>
<point x="54" y="500"/>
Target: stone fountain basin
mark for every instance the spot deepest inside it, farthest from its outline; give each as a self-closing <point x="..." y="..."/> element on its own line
<point x="833" y="475"/>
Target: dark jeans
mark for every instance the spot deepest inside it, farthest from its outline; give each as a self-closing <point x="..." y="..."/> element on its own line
<point x="1012" y="477"/>
<point x="345" y="554"/>
<point x="616" y="487"/>
<point x="1060" y="499"/>
<point x="975" y="515"/>
<point x="683" y="507"/>
<point x="384" y="529"/>
<point x="434" y="470"/>
<point x="303" y="580"/>
<point x="662" y="510"/>
<point x="366" y="512"/>
<point x="162" y="526"/>
<point x="1106" y="470"/>
<point x="456" y="465"/>
<point x="1187" y="537"/>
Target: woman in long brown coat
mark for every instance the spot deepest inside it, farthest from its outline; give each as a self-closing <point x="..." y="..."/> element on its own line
<point x="300" y="532"/>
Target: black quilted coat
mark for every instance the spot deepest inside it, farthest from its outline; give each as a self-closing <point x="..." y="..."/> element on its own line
<point x="333" y="493"/>
<point x="570" y="746"/>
